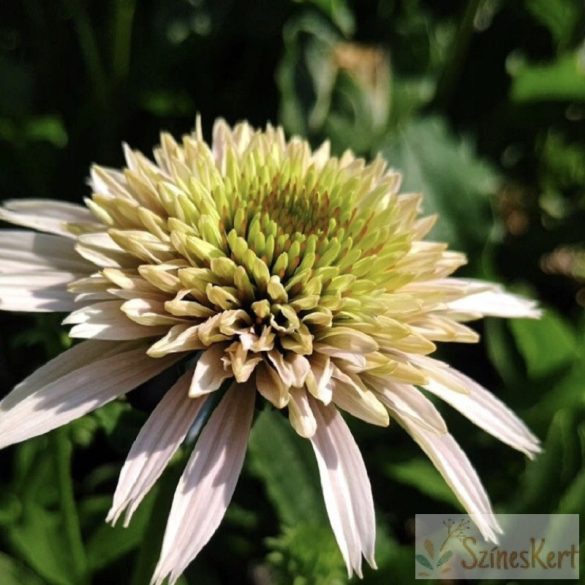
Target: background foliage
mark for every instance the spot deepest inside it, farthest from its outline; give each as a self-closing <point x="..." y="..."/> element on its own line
<point x="481" y="104"/>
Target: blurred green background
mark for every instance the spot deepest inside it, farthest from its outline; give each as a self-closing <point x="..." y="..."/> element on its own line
<point x="480" y="103"/>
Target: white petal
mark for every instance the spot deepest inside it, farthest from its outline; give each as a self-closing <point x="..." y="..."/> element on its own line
<point x="300" y="368"/>
<point x="300" y="414"/>
<point x="101" y="250"/>
<point x="72" y="359"/>
<point x="155" y="445"/>
<point x="456" y="469"/>
<point x="482" y="408"/>
<point x="496" y="303"/>
<point x="346" y="487"/>
<point x="282" y="367"/>
<point x="319" y="378"/>
<point x="108" y="181"/>
<point x="105" y="320"/>
<point x="208" y="482"/>
<point x="149" y="311"/>
<point x="45" y="215"/>
<point x="410" y="402"/>
<point x="222" y="139"/>
<point x="209" y="372"/>
<point x="119" y="331"/>
<point x="32" y="409"/>
<point x="22" y="251"/>
<point x="39" y="291"/>
<point x="356" y="359"/>
<point x="180" y="338"/>
<point x="351" y="395"/>
<point x="270" y="385"/>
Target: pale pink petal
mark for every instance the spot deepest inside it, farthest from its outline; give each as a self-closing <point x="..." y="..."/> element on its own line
<point x="270" y="385"/>
<point x="300" y="413"/>
<point x="356" y="359"/>
<point x="208" y="482"/>
<point x="209" y="372"/>
<point x="456" y="469"/>
<point x="411" y="403"/>
<point x="346" y="487"/>
<point x="351" y="395"/>
<point x="300" y="368"/>
<point x="481" y="407"/>
<point x="22" y="251"/>
<point x="155" y="445"/>
<point x="496" y="303"/>
<point x="45" y="215"/>
<point x="319" y="378"/>
<point x="105" y="320"/>
<point x="72" y="359"/>
<point x="32" y="409"/>
<point x="282" y="367"/>
<point x="38" y="292"/>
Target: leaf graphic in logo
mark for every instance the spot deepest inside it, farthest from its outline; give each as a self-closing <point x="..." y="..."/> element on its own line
<point x="444" y="558"/>
<point x="430" y="548"/>
<point x="424" y="561"/>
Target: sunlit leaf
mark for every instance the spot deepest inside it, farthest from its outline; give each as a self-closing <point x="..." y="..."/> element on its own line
<point x="109" y="543"/>
<point x="560" y="17"/>
<point x="338" y="11"/>
<point x="455" y="184"/>
<point x="280" y="458"/>
<point x="38" y="539"/>
<point x="563" y="80"/>
<point x="307" y="554"/>
<point x="13" y="573"/>
<point x="547" y="344"/>
<point x="423" y="476"/>
<point x="549" y="472"/>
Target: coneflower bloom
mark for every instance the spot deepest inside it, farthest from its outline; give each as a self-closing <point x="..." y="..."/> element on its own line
<point x="264" y="268"/>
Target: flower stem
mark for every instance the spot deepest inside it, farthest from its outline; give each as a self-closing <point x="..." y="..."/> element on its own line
<point x="63" y="452"/>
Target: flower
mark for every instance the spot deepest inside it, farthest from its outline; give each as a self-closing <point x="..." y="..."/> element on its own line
<point x="264" y="268"/>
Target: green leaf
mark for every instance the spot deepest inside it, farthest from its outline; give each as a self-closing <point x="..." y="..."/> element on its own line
<point x="560" y="16"/>
<point x="332" y="88"/>
<point x="573" y="500"/>
<point x="13" y="573"/>
<point x="547" y="344"/>
<point x="280" y="458"/>
<point x="306" y="74"/>
<point x="306" y="554"/>
<point x="548" y="473"/>
<point x="422" y="475"/>
<point x="562" y="80"/>
<point x="109" y="543"/>
<point x="503" y="353"/>
<point x="37" y="534"/>
<point x="38" y="539"/>
<point x="337" y="11"/>
<point x="455" y="184"/>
